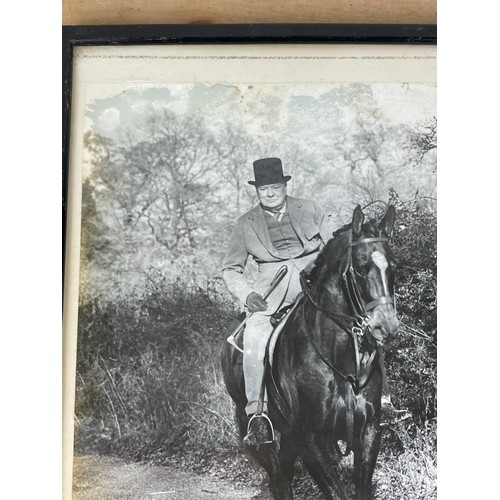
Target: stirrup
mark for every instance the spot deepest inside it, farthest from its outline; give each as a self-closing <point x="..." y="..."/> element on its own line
<point x="262" y="415"/>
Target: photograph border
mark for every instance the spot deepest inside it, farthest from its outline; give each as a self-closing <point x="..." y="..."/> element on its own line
<point x="216" y="34"/>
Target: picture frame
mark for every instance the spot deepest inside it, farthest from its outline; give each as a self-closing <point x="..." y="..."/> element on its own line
<point x="198" y="37"/>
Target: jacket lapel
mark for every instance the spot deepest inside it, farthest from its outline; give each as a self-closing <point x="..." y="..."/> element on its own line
<point x="258" y="222"/>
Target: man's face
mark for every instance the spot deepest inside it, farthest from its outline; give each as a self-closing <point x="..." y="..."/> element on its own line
<point x="272" y="195"/>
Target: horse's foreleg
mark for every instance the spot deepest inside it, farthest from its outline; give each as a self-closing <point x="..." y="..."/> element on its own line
<point x="267" y="456"/>
<point x="365" y="456"/>
<point x="287" y="456"/>
<point x="241" y="421"/>
<point x="319" y="459"/>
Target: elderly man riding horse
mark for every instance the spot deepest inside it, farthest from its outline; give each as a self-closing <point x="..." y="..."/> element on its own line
<point x="279" y="231"/>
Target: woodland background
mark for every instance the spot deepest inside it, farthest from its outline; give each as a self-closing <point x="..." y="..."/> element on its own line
<point x="160" y="196"/>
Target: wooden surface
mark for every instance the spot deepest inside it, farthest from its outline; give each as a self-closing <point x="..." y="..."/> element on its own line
<point x="248" y="11"/>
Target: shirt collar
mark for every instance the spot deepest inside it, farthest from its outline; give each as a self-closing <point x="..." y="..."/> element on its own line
<point x="280" y="212"/>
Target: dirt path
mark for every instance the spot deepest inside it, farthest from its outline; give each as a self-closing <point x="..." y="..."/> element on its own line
<point x="106" y="478"/>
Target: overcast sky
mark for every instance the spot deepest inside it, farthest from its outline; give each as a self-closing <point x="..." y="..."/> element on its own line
<point x="304" y="112"/>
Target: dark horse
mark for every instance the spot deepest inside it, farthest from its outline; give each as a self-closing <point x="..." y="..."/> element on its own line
<point x="324" y="385"/>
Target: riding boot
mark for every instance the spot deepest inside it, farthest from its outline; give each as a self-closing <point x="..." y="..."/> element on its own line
<point x="259" y="431"/>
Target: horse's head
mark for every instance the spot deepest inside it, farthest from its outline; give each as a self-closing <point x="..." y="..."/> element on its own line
<point x="373" y="266"/>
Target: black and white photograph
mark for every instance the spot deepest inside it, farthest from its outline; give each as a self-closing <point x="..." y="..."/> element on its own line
<point x="251" y="307"/>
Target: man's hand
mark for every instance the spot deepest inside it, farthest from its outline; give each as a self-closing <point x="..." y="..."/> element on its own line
<point x="255" y="302"/>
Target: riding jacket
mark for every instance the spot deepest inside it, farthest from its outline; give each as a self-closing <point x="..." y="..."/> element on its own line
<point x="250" y="237"/>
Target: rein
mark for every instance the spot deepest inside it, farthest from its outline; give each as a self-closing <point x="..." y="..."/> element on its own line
<point x="357" y="381"/>
<point x="355" y="326"/>
<point x="355" y="329"/>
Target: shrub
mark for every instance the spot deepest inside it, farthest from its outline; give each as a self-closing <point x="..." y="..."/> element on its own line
<point x="148" y="371"/>
<point x="411" y="358"/>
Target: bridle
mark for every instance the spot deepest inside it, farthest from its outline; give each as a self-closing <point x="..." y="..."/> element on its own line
<point x="357" y="304"/>
<point x="357" y="324"/>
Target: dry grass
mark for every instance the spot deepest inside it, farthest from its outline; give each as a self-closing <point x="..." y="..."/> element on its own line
<point x="411" y="472"/>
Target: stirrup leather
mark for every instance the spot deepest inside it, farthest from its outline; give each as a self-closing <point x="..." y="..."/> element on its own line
<point x="262" y="415"/>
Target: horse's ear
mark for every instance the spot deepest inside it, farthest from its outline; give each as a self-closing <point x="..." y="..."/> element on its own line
<point x="357" y="221"/>
<point x="387" y="223"/>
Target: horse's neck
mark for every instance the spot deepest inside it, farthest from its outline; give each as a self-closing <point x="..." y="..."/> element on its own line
<point x="331" y="340"/>
<point x="329" y="288"/>
<point x="330" y="294"/>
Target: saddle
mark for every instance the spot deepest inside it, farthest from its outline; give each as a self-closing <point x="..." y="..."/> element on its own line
<point x="277" y="319"/>
<point x="278" y="316"/>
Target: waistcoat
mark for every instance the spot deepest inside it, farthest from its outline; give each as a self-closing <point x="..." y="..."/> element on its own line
<point x="283" y="236"/>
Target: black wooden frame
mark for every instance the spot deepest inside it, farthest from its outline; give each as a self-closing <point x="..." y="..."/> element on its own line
<point x="73" y="36"/>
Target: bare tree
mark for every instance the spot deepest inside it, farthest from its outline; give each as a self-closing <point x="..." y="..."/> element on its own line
<point x="423" y="140"/>
<point x="149" y="199"/>
<point x="167" y="177"/>
<point x="236" y="153"/>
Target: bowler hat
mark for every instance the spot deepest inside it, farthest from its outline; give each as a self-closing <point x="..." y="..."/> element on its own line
<point x="268" y="171"/>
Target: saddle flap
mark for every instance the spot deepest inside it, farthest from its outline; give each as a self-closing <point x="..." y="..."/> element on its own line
<point x="278" y="329"/>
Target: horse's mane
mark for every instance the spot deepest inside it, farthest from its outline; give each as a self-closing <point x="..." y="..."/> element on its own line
<point x="324" y="256"/>
<point x="330" y="254"/>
